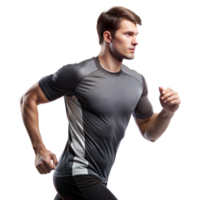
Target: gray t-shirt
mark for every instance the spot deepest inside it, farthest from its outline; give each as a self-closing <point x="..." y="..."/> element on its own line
<point x="98" y="104"/>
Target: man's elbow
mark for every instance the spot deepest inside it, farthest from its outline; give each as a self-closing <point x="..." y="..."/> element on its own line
<point x="147" y="138"/>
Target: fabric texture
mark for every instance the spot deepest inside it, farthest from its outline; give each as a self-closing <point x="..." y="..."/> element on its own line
<point x="98" y="104"/>
<point x="81" y="187"/>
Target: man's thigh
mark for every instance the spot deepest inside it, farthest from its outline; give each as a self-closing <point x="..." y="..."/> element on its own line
<point x="67" y="189"/>
<point x="98" y="192"/>
<point x="93" y="188"/>
<point x="81" y="188"/>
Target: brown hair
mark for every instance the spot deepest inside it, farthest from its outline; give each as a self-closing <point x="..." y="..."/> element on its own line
<point x="110" y="20"/>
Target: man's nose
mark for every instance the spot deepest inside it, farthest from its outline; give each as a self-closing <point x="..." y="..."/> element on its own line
<point x="135" y="41"/>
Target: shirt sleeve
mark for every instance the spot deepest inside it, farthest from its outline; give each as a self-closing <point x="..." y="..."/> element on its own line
<point x="143" y="108"/>
<point x="60" y="83"/>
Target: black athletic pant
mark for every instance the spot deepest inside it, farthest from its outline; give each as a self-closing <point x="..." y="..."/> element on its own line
<point x="81" y="187"/>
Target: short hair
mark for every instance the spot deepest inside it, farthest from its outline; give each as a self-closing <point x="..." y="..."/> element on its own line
<point x="110" y="20"/>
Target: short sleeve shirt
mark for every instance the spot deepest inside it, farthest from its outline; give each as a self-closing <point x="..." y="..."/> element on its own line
<point x="98" y="105"/>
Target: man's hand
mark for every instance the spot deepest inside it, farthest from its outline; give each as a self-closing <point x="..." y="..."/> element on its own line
<point x="169" y="99"/>
<point x="43" y="161"/>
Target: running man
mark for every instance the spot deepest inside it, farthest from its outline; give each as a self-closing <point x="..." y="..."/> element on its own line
<point x="100" y="95"/>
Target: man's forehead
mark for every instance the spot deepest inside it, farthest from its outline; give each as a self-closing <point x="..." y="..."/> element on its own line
<point x="126" y="25"/>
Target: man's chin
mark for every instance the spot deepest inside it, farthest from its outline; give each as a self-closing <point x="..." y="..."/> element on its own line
<point x="129" y="57"/>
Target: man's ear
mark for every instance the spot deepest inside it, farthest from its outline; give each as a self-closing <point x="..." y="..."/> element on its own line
<point x="107" y="36"/>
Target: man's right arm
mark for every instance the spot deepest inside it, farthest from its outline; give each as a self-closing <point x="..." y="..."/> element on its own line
<point x="28" y="103"/>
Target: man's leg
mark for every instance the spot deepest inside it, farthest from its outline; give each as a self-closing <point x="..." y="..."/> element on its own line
<point x="81" y="187"/>
<point x="93" y="188"/>
<point x="67" y="189"/>
<point x="98" y="192"/>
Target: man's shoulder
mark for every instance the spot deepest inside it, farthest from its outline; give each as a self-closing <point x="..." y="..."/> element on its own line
<point x="81" y="64"/>
<point x="132" y="73"/>
<point x="79" y="70"/>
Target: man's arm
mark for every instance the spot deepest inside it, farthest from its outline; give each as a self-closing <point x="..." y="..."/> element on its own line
<point x="154" y="127"/>
<point x="28" y="104"/>
<point x="158" y="125"/>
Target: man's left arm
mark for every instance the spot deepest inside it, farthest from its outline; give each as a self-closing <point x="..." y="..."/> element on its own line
<point x="158" y="122"/>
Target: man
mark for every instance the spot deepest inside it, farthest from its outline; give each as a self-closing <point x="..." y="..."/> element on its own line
<point x="100" y="94"/>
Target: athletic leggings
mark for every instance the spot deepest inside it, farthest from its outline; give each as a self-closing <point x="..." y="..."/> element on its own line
<point x="81" y="187"/>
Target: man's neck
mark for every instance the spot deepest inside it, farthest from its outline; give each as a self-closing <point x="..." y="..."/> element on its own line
<point x="109" y="63"/>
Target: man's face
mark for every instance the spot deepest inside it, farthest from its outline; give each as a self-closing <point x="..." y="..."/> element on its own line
<point x="125" y="39"/>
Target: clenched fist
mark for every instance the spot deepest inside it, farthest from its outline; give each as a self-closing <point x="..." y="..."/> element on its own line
<point x="43" y="161"/>
<point x="169" y="99"/>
